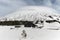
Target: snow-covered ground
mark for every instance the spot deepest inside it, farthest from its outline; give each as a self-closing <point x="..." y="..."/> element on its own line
<point x="32" y="33"/>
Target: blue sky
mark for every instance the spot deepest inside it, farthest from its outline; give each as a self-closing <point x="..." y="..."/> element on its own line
<point x="8" y="6"/>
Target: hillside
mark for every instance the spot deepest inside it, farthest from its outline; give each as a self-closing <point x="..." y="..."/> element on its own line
<point x="32" y="13"/>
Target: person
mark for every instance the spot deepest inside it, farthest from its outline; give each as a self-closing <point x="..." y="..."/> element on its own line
<point x="24" y="35"/>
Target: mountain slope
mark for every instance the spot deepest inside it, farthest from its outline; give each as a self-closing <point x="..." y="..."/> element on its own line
<point x="32" y="13"/>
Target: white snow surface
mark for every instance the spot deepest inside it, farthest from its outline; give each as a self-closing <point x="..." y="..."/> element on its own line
<point x="48" y="32"/>
<point x="32" y="33"/>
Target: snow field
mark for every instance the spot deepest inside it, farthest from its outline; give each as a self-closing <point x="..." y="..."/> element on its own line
<point x="32" y="34"/>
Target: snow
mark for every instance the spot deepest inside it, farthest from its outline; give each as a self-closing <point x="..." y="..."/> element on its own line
<point x="48" y="32"/>
<point x="54" y="25"/>
<point x="32" y="33"/>
<point x="31" y="13"/>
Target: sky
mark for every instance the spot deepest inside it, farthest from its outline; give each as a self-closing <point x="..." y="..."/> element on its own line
<point x="9" y="6"/>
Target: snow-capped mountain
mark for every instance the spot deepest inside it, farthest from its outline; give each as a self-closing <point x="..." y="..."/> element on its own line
<point x="48" y="32"/>
<point x="32" y="13"/>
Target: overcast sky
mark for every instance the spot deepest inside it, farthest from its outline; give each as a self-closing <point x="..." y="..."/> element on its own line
<point x="8" y="6"/>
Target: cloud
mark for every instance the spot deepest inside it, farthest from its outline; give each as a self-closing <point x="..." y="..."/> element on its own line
<point x="7" y="6"/>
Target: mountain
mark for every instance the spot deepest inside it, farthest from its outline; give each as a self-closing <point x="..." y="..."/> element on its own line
<point x="50" y="31"/>
<point x="32" y="13"/>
